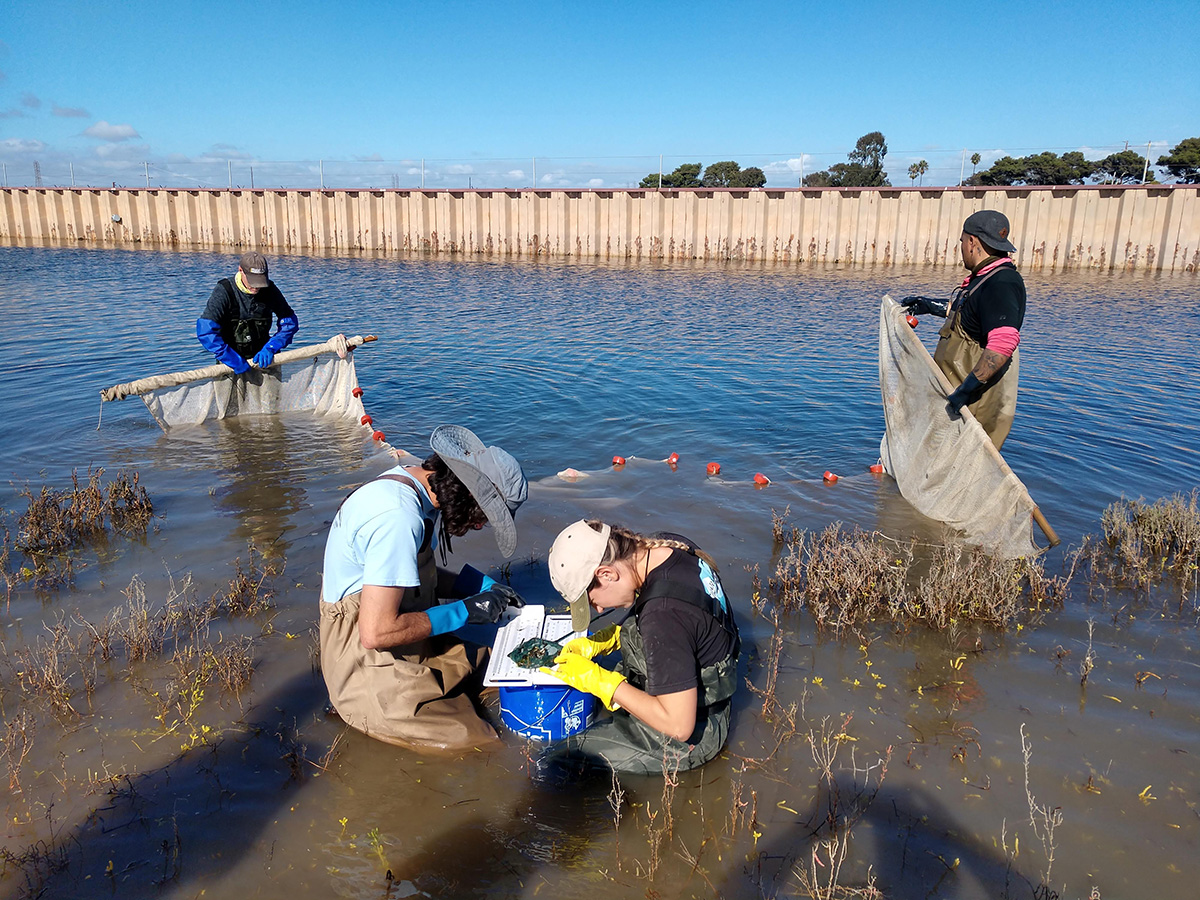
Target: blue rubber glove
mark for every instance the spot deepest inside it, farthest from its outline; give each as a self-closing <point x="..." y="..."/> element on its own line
<point x="963" y="393"/>
<point x="264" y="357"/>
<point x="471" y="581"/>
<point x="447" y="618"/>
<point x="208" y="333"/>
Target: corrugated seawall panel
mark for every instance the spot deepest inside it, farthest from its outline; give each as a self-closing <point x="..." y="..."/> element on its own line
<point x="1105" y="228"/>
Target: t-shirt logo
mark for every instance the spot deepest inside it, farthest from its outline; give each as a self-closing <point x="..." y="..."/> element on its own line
<point x="712" y="584"/>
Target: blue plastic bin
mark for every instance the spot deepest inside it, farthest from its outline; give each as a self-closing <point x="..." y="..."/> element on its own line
<point x="546" y="712"/>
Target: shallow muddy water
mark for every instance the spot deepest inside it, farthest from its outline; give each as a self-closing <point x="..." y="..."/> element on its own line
<point x="762" y="370"/>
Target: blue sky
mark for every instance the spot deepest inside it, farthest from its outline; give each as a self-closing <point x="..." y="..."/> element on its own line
<point x="590" y="95"/>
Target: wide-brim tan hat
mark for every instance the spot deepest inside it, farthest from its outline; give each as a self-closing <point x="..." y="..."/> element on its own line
<point x="576" y="555"/>
<point x="491" y="474"/>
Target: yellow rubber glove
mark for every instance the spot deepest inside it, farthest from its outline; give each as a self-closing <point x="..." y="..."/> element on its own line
<point x="585" y="675"/>
<point x="602" y="642"/>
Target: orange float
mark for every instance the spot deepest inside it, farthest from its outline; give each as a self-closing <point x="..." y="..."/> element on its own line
<point x="830" y="478"/>
<point x="714" y="468"/>
<point x="618" y="460"/>
<point x="761" y="479"/>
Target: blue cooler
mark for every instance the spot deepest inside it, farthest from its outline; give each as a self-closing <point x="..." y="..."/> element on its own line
<point x="546" y="712"/>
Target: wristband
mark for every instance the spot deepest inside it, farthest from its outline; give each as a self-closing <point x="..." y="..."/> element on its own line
<point x="450" y="617"/>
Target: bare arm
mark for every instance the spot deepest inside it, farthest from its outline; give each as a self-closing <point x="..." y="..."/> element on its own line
<point x="380" y="622"/>
<point x="672" y="714"/>
<point x="989" y="364"/>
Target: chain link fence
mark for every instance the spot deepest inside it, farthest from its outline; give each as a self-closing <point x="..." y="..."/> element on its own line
<point x="37" y="167"/>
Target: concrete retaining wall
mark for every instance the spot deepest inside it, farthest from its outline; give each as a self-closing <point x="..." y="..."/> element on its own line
<point x="1134" y="228"/>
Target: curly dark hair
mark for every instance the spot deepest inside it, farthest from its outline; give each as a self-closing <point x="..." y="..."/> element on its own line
<point x="460" y="512"/>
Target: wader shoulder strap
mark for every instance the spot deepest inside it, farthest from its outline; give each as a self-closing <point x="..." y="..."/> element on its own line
<point x="960" y="298"/>
<point x="427" y="532"/>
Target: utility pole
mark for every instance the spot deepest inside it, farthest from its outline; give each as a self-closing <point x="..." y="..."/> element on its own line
<point x="252" y="178"/>
<point x="37" y="174"/>
<point x="72" y="165"/>
<point x="962" y="169"/>
<point x="1146" y="167"/>
<point x="230" y="162"/>
<point x="147" y="165"/>
<point x="660" y="171"/>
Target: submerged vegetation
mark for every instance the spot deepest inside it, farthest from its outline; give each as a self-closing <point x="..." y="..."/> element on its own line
<point x="56" y="524"/>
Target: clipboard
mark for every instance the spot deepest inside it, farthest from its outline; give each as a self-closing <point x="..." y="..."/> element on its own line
<point x="529" y="622"/>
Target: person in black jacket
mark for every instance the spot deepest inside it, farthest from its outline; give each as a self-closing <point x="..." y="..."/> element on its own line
<point x="236" y="324"/>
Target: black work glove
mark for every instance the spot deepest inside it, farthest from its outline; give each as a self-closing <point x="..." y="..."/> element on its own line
<point x="486" y="607"/>
<point x="926" y="305"/>
<point x="962" y="394"/>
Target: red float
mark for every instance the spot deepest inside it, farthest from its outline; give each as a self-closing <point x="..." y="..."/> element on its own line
<point x="912" y="321"/>
<point x="877" y="469"/>
<point x="357" y="392"/>
<point x="714" y="468"/>
<point x="760" y="478"/>
<point x="618" y="460"/>
<point x="830" y="478"/>
<point x="673" y="459"/>
<point x="365" y="420"/>
<point x="378" y="435"/>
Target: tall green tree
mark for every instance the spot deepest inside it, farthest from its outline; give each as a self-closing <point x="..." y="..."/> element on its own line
<point x="686" y="175"/>
<point x="1183" y="162"/>
<point x="1038" y="168"/>
<point x="918" y="170"/>
<point x="864" y="169"/>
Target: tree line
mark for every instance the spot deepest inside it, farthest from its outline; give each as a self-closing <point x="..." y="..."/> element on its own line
<point x="1124" y="167"/>
<point x="720" y="174"/>
<point x="864" y="168"/>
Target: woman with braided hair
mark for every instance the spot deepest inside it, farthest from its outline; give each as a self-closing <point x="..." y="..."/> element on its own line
<point x="670" y="693"/>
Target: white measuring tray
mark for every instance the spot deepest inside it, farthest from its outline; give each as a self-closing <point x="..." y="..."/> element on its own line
<point x="528" y="622"/>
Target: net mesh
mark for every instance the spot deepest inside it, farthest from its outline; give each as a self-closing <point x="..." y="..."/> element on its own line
<point x="946" y="467"/>
<point x="312" y="378"/>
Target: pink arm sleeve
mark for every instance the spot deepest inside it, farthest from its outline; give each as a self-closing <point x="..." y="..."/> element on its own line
<point x="1003" y="340"/>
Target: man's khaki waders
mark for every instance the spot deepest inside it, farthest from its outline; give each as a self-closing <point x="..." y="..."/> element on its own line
<point x="625" y="744"/>
<point x="957" y="355"/>
<point x="416" y="695"/>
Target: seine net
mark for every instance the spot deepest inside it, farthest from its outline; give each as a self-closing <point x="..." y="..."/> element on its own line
<point x="312" y="378"/>
<point x="945" y="466"/>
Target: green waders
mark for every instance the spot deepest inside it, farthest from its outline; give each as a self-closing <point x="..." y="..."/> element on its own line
<point x="957" y="355"/>
<point x="624" y="744"/>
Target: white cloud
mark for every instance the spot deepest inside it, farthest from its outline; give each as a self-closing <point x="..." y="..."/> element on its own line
<point x="30" y="100"/>
<point x="70" y="112"/>
<point x="516" y="174"/>
<point x="595" y="182"/>
<point x="106" y="132"/>
<point x="21" y="145"/>
<point x="459" y="169"/>
<point x="122" y="152"/>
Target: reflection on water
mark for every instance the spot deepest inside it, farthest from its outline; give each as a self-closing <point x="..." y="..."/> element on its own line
<point x="768" y="371"/>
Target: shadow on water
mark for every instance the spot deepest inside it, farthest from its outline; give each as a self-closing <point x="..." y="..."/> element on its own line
<point x="156" y="831"/>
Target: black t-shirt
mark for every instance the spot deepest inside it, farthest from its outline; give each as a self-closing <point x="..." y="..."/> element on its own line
<point x="999" y="302"/>
<point x="679" y="636"/>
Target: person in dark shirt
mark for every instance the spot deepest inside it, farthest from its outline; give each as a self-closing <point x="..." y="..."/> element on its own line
<point x="236" y="324"/>
<point x="977" y="347"/>
<point x="670" y="693"/>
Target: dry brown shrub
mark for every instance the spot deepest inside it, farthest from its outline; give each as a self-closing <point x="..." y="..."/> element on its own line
<point x="1145" y="542"/>
<point x="848" y="578"/>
